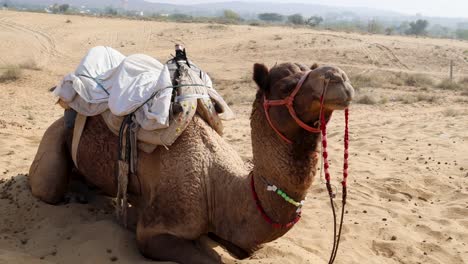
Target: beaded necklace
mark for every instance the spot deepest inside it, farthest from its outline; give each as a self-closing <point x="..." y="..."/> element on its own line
<point x="284" y="195"/>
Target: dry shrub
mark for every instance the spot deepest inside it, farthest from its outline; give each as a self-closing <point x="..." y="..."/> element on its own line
<point x="464" y="81"/>
<point x="366" y="99"/>
<point x="238" y="98"/>
<point x="415" y="80"/>
<point x="217" y="27"/>
<point x="361" y="80"/>
<point x="448" y="84"/>
<point x="10" y="73"/>
<point x="30" y="65"/>
<point x="426" y="98"/>
<point x="384" y="100"/>
<point x="420" y="97"/>
<point x="450" y="112"/>
<point x="465" y="92"/>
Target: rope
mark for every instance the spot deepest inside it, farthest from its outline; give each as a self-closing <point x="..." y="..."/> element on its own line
<point x="98" y="83"/>
<point x="325" y="166"/>
<point x="345" y="178"/>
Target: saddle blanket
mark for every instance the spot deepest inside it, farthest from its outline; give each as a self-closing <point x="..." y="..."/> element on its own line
<point x="106" y="80"/>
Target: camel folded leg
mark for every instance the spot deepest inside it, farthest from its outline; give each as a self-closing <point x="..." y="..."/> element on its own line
<point x="50" y="170"/>
<point x="166" y="247"/>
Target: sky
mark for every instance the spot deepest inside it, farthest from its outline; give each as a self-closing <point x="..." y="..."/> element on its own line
<point x="443" y="8"/>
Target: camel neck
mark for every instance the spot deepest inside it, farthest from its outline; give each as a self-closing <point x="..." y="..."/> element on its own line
<point x="290" y="167"/>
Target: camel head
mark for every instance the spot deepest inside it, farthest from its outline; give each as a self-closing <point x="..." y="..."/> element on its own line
<point x="282" y="81"/>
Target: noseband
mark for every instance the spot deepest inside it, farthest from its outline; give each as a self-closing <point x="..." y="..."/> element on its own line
<point x="289" y="103"/>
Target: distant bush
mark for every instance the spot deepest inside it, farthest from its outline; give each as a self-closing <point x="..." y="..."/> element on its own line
<point x="314" y="21"/>
<point x="231" y="15"/>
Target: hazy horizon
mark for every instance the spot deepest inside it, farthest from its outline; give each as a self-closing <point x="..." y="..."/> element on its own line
<point x="452" y="8"/>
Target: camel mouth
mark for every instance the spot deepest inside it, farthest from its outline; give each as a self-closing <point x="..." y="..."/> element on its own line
<point x="338" y="105"/>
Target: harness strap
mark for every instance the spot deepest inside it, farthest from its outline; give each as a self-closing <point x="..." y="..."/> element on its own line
<point x="80" y="123"/>
<point x="289" y="103"/>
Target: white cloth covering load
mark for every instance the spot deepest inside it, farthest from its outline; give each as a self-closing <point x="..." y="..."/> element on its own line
<point x="107" y="80"/>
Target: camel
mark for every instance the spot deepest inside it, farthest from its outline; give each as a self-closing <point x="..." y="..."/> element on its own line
<point x="200" y="185"/>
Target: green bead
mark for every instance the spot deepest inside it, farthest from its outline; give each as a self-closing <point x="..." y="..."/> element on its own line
<point x="279" y="192"/>
<point x="284" y="195"/>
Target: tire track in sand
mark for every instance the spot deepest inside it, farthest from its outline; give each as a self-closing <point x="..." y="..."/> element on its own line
<point x="45" y="41"/>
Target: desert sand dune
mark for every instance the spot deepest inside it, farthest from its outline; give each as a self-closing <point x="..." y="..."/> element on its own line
<point x="408" y="196"/>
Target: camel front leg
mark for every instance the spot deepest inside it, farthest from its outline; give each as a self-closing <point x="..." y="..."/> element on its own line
<point x="166" y="247"/>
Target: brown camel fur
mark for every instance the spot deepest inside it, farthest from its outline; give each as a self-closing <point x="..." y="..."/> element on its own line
<point x="201" y="185"/>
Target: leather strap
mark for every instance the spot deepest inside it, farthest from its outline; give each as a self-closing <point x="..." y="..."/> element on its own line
<point x="80" y="123"/>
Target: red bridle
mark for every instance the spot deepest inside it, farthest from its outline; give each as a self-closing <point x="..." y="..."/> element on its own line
<point x="289" y="103"/>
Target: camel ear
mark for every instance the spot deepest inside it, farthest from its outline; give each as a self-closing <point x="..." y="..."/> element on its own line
<point x="314" y="66"/>
<point x="260" y="75"/>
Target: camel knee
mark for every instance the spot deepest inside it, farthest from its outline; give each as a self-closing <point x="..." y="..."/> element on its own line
<point x="49" y="172"/>
<point x="45" y="195"/>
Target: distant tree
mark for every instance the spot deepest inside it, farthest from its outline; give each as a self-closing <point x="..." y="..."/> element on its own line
<point x="63" y="8"/>
<point x="403" y="28"/>
<point x="179" y="17"/>
<point x="296" y="19"/>
<point x="231" y="15"/>
<point x="314" y="21"/>
<point x="441" y="31"/>
<point x="462" y="34"/>
<point x="390" y="31"/>
<point x="374" y="27"/>
<point x="271" y="17"/>
<point x="110" y="11"/>
<point x="418" y="28"/>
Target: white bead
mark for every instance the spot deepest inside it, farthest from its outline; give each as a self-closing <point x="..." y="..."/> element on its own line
<point x="299" y="210"/>
<point x="272" y="188"/>
<point x="302" y="202"/>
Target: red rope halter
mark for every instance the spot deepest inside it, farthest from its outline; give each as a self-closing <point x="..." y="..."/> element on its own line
<point x="289" y="103"/>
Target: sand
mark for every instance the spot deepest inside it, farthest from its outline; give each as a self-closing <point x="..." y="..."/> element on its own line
<point x="408" y="194"/>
